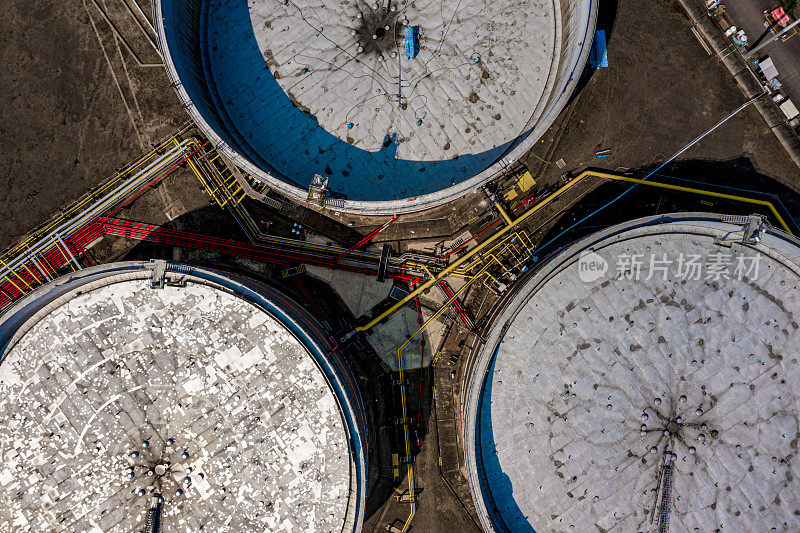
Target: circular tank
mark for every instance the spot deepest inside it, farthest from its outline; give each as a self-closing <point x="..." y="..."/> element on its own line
<point x="291" y="90"/>
<point x="158" y="391"/>
<point x="625" y="388"/>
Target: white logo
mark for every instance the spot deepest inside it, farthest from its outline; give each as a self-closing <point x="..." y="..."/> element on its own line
<point x="591" y="267"/>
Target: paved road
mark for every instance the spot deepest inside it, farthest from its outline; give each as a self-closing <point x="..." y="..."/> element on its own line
<point x="749" y="15"/>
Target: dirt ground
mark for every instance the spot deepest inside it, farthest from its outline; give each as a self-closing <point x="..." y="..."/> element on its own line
<point x="75" y="105"/>
<point x="660" y="91"/>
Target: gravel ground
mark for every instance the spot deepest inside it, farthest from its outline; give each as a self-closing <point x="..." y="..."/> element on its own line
<point x="72" y="111"/>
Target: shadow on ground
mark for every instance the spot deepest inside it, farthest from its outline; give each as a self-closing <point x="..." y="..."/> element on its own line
<point x="379" y="391"/>
<point x="606" y="16"/>
<point x="613" y="203"/>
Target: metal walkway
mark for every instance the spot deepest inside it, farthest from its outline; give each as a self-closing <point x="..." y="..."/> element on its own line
<point x="39" y="257"/>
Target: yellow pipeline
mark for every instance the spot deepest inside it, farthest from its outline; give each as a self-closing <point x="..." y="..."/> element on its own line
<point x="58" y="247"/>
<point x="705" y="193"/>
<point x="35" y="278"/>
<point x="14" y="272"/>
<point x="503" y="213"/>
<point x="504" y="244"/>
<point x="574" y="181"/>
<point x="488" y="242"/>
<point x="77" y="207"/>
<point x="14" y="284"/>
<point x="225" y="196"/>
<point x="409" y="467"/>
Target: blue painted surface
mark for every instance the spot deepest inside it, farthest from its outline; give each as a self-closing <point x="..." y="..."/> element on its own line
<point x="412" y="42"/>
<point x="261" y="122"/>
<point x="598" y="56"/>
<point x="262" y="297"/>
<point x="31" y="305"/>
<point x="505" y="514"/>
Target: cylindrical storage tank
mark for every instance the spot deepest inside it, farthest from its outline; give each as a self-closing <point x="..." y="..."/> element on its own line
<point x="289" y="91"/>
<point x="643" y="379"/>
<point x="143" y="392"/>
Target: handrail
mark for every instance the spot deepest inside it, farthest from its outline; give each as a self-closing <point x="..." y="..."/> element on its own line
<point x="517" y="221"/>
<point x="69" y="226"/>
<point x="479" y="248"/>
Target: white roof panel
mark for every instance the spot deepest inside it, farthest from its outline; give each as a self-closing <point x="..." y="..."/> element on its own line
<point x="597" y="376"/>
<point x="191" y="370"/>
<point x="767" y="68"/>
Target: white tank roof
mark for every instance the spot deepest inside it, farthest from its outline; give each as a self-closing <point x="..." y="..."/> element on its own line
<point x="588" y="379"/>
<point x="290" y="90"/>
<point x="191" y="370"/>
<point x="473" y="93"/>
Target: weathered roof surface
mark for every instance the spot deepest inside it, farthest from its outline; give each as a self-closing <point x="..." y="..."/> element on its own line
<point x="293" y="89"/>
<point x="124" y="364"/>
<point x="584" y="365"/>
<point x="303" y="100"/>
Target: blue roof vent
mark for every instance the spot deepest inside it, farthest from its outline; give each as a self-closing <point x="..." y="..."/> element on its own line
<point x="412" y="42"/>
<point x="598" y="56"/>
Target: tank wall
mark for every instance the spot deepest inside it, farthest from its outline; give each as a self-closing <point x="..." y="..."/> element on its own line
<point x="20" y="317"/>
<point x="474" y="410"/>
<point x="181" y="21"/>
<point x="181" y="26"/>
<point x="578" y="18"/>
<point x="578" y="21"/>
